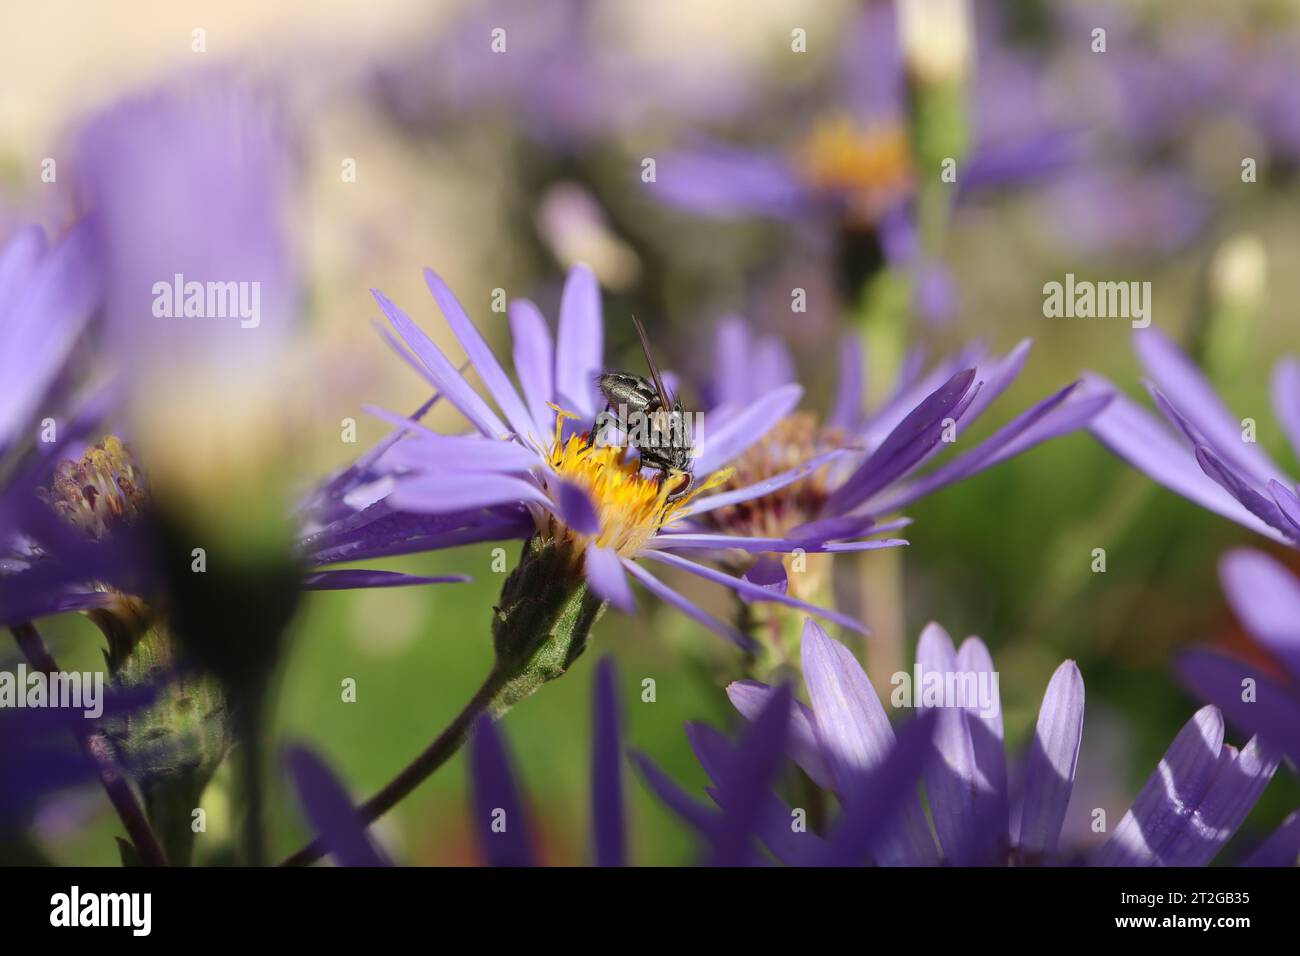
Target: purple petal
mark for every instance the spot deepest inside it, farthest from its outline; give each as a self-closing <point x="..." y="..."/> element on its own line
<point x="1265" y="596"/>
<point x="1241" y="779"/>
<point x="440" y="372"/>
<point x="719" y="542"/>
<point x="1050" y="767"/>
<point x="723" y="442"/>
<point x="753" y="591"/>
<point x="609" y="836"/>
<point x="1196" y="399"/>
<point x="727" y="182"/>
<point x="427" y="450"/>
<point x="1240" y="486"/>
<point x="997" y="378"/>
<point x="534" y="360"/>
<point x="1286" y="398"/>
<point x="1137" y="436"/>
<point x="690" y="609"/>
<point x="762" y="488"/>
<point x="749" y="696"/>
<point x="1165" y="806"/>
<point x="363" y="578"/>
<point x="1281" y="848"/>
<point x="1008" y="440"/>
<point x="1288" y="504"/>
<point x="743" y="789"/>
<point x="1270" y="710"/>
<point x="769" y="574"/>
<point x="607" y="580"/>
<point x="850" y="390"/>
<point x="703" y="819"/>
<point x="731" y="347"/>
<point x="716" y="755"/>
<point x="43" y="318"/>
<point x="917" y="434"/>
<point x="443" y="494"/>
<point x="489" y="369"/>
<point x="329" y="808"/>
<point x="991" y="805"/>
<point x="885" y="799"/>
<point x="498" y="812"/>
<point x="581" y="342"/>
<point x="950" y="776"/>
<point x="575" y="507"/>
<point x="856" y="737"/>
<point x="772" y="366"/>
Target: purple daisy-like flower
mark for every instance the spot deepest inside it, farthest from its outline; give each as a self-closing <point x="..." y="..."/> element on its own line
<point x="856" y="161"/>
<point x="1265" y="596"/>
<point x="887" y="446"/>
<point x="1192" y="804"/>
<point x="47" y="296"/>
<point x="534" y="470"/>
<point x="1201" y="450"/>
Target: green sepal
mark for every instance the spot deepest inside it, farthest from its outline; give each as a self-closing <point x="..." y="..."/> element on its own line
<point x="543" y="622"/>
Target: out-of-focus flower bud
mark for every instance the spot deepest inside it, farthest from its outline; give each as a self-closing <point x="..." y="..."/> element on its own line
<point x="936" y="38"/>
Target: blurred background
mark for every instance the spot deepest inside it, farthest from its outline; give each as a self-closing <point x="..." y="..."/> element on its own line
<point x="416" y="145"/>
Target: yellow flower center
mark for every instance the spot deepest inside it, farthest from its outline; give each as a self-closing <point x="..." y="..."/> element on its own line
<point x="630" y="507"/>
<point x="871" y="165"/>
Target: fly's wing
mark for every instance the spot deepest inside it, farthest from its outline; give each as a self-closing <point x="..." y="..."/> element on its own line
<point x="654" y="369"/>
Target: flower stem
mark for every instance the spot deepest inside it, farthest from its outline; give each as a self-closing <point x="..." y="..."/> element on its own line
<point x="100" y="751"/>
<point x="443" y="748"/>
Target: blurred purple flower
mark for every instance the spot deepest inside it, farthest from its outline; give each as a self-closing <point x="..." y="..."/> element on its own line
<point x="1265" y="596"/>
<point x="547" y="66"/>
<point x="1192" y="804"/>
<point x="47" y="296"/>
<point x="534" y="472"/>
<point x="1125" y="212"/>
<point x="1203" y="451"/>
<point x="856" y="161"/>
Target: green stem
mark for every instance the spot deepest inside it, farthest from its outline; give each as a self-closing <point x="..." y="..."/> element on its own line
<point x="97" y="747"/>
<point x="443" y="748"/>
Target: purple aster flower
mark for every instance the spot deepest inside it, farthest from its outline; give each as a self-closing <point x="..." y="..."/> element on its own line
<point x="47" y="295"/>
<point x="1260" y="699"/>
<point x="855" y="161"/>
<point x="1192" y="804"/>
<point x="887" y="446"/>
<point x="853" y="170"/>
<point x="1201" y="450"/>
<point x="532" y="470"/>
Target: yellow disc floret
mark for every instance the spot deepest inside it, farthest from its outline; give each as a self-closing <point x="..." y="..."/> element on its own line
<point x="630" y="507"/>
<point x="870" y="165"/>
